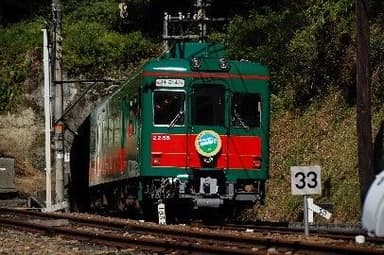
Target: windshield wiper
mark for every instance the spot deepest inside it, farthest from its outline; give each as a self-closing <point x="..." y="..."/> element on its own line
<point x="241" y="121"/>
<point x="176" y="118"/>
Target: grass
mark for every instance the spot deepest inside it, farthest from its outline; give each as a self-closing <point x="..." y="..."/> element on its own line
<point x="324" y="134"/>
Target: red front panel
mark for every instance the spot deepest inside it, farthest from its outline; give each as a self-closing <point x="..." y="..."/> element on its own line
<point x="244" y="151"/>
<point x="178" y="150"/>
<point x="169" y="150"/>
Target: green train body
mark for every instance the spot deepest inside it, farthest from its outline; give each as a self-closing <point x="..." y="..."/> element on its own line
<point x="190" y="128"/>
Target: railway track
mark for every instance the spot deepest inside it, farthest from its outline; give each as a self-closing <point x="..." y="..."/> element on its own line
<point x="121" y="233"/>
<point x="325" y="232"/>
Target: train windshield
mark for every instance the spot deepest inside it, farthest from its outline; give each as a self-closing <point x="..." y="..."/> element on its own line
<point x="208" y="105"/>
<point x="246" y="109"/>
<point x="168" y="108"/>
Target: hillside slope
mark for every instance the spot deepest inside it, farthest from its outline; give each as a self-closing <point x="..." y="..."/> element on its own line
<point x="324" y="134"/>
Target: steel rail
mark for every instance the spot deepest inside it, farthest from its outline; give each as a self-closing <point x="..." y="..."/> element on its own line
<point x="240" y="238"/>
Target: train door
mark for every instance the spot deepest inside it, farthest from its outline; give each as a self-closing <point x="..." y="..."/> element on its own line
<point x="208" y="127"/>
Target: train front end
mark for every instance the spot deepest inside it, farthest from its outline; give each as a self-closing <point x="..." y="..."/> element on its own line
<point x="206" y="141"/>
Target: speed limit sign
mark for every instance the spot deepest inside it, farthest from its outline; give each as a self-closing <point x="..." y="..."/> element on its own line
<point x="305" y="180"/>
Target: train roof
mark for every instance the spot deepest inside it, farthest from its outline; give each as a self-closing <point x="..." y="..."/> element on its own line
<point x="178" y="59"/>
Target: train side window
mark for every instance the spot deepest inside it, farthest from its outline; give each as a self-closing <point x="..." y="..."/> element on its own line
<point x="105" y="132"/>
<point x="246" y="110"/>
<point x="117" y="131"/>
<point x="168" y="107"/>
<point x="110" y="131"/>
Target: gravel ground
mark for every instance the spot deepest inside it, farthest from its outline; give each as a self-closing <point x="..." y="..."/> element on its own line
<point x="19" y="242"/>
<point x="26" y="243"/>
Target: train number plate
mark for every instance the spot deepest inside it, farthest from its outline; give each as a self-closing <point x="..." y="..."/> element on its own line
<point x="175" y="83"/>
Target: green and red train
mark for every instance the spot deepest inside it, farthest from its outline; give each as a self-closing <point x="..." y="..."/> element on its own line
<point x="190" y="130"/>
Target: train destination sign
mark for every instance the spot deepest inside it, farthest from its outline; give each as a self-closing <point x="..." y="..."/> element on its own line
<point x="305" y="180"/>
<point x="174" y="83"/>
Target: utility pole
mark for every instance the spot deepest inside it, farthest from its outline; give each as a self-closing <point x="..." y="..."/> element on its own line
<point x="363" y="101"/>
<point x="58" y="109"/>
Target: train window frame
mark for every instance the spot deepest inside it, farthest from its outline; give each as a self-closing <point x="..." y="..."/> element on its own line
<point x="218" y="118"/>
<point x="117" y="131"/>
<point x="239" y="119"/>
<point x="177" y="116"/>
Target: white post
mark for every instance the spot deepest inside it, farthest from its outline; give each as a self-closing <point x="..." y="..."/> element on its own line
<point x="47" y="113"/>
<point x="161" y="213"/>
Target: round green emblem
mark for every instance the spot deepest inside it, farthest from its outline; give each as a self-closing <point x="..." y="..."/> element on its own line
<point x="208" y="143"/>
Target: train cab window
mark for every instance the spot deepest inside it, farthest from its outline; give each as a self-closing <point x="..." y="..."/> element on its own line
<point x="208" y="105"/>
<point x="168" y="108"/>
<point x="246" y="110"/>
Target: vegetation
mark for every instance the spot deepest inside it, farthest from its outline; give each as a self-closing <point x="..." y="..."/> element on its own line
<point x="309" y="47"/>
<point x="16" y="49"/>
<point x="91" y="49"/>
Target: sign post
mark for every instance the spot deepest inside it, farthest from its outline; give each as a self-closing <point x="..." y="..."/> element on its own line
<point x="161" y="213"/>
<point x="306" y="222"/>
<point x="306" y="180"/>
<point x="317" y="209"/>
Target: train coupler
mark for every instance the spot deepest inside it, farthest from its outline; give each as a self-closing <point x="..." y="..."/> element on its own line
<point x="208" y="202"/>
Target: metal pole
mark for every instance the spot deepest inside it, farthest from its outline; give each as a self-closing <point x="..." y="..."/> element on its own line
<point x="363" y="101"/>
<point x="47" y="113"/>
<point x="165" y="32"/>
<point x="201" y="16"/>
<point x="306" y="227"/>
<point x="59" y="124"/>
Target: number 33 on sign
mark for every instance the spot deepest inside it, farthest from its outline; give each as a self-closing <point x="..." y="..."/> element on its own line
<point x="305" y="180"/>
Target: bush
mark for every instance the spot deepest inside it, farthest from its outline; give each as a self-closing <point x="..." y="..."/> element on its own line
<point x="317" y="51"/>
<point x="306" y="51"/>
<point x="376" y="58"/>
<point x="16" y="41"/>
<point x="90" y="48"/>
<point x="105" y="13"/>
<point x="264" y="38"/>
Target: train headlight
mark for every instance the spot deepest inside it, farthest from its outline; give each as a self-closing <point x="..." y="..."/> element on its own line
<point x="195" y="64"/>
<point x="223" y="64"/>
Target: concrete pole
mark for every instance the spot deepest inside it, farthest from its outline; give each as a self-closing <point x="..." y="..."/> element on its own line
<point x="59" y="124"/>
